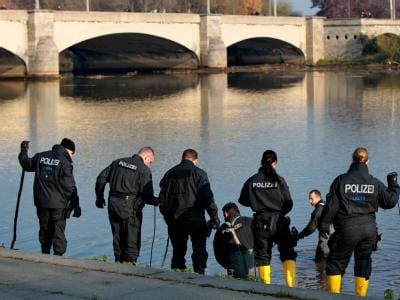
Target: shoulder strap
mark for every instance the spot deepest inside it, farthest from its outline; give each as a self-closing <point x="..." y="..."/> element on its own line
<point x="232" y="227"/>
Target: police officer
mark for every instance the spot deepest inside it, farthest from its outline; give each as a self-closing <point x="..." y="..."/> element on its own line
<point x="322" y="250"/>
<point x="55" y="193"/>
<point x="352" y="201"/>
<point x="184" y="196"/>
<point x="233" y="243"/>
<point x="131" y="186"/>
<point x="268" y="196"/>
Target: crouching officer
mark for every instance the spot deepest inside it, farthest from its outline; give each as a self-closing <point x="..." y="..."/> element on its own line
<point x="352" y="201"/>
<point x="322" y="250"/>
<point x="54" y="192"/>
<point x="184" y="196"/>
<point x="131" y="186"/>
<point x="268" y="196"/>
<point x="233" y="243"/>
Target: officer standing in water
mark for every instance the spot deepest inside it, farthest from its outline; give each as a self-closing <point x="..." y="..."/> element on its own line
<point x="184" y="197"/>
<point x="268" y="196"/>
<point x="351" y="204"/>
<point x="54" y="191"/>
<point x="322" y="251"/>
<point x="131" y="186"/>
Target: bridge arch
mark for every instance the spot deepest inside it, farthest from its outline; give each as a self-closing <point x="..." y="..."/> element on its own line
<point x="264" y="51"/>
<point x="127" y="52"/>
<point x="11" y="65"/>
<point x="68" y="28"/>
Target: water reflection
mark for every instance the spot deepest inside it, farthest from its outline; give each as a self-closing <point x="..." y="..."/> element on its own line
<point x="139" y="87"/>
<point x="313" y="120"/>
<point x="12" y="89"/>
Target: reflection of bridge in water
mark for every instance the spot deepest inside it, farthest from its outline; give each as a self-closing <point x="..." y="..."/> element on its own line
<point x="214" y="103"/>
<point x="43" y="42"/>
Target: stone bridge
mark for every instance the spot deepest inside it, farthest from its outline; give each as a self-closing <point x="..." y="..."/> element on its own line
<point x="38" y="38"/>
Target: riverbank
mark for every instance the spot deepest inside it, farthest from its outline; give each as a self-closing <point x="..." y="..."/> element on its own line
<point x="28" y="275"/>
<point x="18" y="73"/>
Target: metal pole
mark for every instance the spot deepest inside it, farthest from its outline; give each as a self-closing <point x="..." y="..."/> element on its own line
<point x="275" y="11"/>
<point x="392" y="9"/>
<point x="208" y="7"/>
<point x="348" y="9"/>
<point x="37" y="5"/>
<point x="87" y="5"/>
<point x="270" y="8"/>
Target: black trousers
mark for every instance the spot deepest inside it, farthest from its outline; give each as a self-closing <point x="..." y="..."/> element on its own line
<point x="357" y="238"/>
<point x="241" y="263"/>
<point x="126" y="227"/>
<point x="52" y="223"/>
<point x="265" y="235"/>
<point x="179" y="232"/>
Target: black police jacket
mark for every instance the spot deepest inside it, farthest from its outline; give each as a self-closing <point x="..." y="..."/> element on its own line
<point x="354" y="197"/>
<point x="224" y="242"/>
<point x="313" y="224"/>
<point x="54" y="181"/>
<point x="186" y="193"/>
<point x="127" y="176"/>
<point x="264" y="196"/>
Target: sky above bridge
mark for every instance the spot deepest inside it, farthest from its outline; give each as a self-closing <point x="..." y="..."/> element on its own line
<point x="304" y="7"/>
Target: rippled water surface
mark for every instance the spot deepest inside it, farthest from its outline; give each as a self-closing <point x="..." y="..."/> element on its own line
<point x="313" y="120"/>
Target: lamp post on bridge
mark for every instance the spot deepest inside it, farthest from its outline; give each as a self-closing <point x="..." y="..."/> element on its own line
<point x="87" y="5"/>
<point x="37" y="5"/>
<point x="208" y="7"/>
<point x="392" y="9"/>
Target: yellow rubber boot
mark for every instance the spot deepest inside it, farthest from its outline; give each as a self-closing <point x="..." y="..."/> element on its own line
<point x="360" y="286"/>
<point x="334" y="283"/>
<point x="265" y="274"/>
<point x="289" y="268"/>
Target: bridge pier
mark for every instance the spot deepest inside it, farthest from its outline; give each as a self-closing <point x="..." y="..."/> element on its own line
<point x="42" y="51"/>
<point x="315" y="40"/>
<point x="212" y="48"/>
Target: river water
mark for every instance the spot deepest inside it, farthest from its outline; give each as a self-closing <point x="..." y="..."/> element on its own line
<point x="314" y="120"/>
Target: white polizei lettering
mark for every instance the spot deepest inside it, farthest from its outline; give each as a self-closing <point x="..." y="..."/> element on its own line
<point x="229" y="229"/>
<point x="49" y="161"/>
<point x="127" y="165"/>
<point x="264" y="185"/>
<point x="359" y="188"/>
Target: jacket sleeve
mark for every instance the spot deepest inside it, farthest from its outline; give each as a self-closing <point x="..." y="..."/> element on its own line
<point x="313" y="223"/>
<point x="162" y="197"/>
<point x="387" y="197"/>
<point x="27" y="163"/>
<point x="287" y="198"/>
<point x="101" y="182"/>
<point x="220" y="249"/>
<point x="206" y="196"/>
<point x="146" y="187"/>
<point x="67" y="180"/>
<point x="244" y="198"/>
<point x="331" y="206"/>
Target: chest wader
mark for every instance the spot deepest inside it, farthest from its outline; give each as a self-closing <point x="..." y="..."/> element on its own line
<point x="275" y="226"/>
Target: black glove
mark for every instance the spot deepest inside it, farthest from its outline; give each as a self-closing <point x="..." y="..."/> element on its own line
<point x="77" y="212"/>
<point x="25" y="146"/>
<point x="214" y="222"/>
<point x="156" y="202"/>
<point x="100" y="202"/>
<point x="392" y="180"/>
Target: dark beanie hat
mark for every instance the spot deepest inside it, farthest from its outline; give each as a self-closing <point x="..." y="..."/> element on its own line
<point x="68" y="144"/>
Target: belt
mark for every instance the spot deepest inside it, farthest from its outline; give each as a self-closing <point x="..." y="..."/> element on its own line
<point x="123" y="196"/>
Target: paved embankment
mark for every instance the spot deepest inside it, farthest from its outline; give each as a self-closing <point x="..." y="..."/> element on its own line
<point x="36" y="276"/>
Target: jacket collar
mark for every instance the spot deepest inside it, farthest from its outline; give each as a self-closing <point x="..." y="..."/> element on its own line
<point x="358" y="167"/>
<point x="60" y="151"/>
